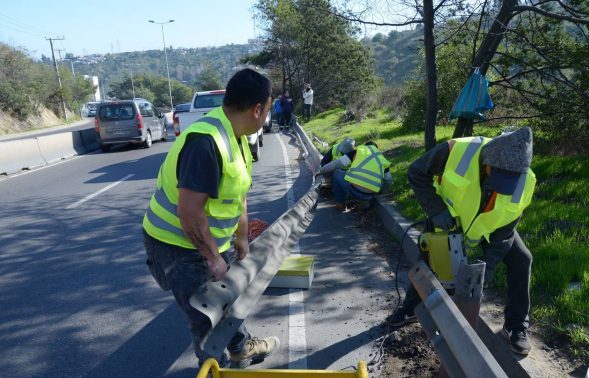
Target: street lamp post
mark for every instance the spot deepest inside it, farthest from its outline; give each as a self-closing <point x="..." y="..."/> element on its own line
<point x="166" y="55"/>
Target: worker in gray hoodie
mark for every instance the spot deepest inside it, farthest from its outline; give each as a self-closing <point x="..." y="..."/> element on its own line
<point x="482" y="186"/>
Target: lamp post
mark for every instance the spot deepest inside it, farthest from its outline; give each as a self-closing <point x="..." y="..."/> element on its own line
<point x="166" y="55"/>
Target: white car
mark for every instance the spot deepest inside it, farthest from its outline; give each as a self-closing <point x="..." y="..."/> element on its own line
<point x="204" y="102"/>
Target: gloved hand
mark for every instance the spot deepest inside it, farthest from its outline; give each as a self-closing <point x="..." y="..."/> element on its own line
<point x="443" y="220"/>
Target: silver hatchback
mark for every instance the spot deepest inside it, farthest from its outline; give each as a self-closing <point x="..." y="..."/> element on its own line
<point x="129" y="121"/>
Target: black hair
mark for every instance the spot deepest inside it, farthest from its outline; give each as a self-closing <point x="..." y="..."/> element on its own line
<point x="246" y="88"/>
<point x="371" y="143"/>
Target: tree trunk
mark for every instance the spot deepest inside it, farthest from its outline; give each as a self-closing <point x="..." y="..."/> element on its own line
<point x="431" y="74"/>
<point x="482" y="59"/>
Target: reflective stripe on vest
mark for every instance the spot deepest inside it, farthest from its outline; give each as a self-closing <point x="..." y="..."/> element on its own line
<point x="159" y="222"/>
<point x="164" y="202"/>
<point x="367" y="169"/>
<point x="217" y="123"/>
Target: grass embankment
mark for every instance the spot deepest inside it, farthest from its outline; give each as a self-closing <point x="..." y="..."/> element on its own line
<point x="555" y="227"/>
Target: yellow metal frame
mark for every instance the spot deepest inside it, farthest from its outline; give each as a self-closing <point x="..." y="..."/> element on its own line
<point x="211" y="366"/>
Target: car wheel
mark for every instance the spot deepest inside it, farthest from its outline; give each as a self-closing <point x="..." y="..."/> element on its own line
<point x="147" y="142"/>
<point x="261" y="140"/>
<point x="105" y="147"/>
<point x="165" y="133"/>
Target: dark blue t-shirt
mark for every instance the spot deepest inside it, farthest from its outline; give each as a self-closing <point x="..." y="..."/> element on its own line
<point x="200" y="165"/>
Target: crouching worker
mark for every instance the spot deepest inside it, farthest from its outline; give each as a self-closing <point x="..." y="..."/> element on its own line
<point x="482" y="186"/>
<point x="365" y="174"/>
<point x="200" y="204"/>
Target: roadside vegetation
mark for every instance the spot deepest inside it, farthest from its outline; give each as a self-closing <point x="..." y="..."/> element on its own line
<point x="555" y="226"/>
<point x="27" y="86"/>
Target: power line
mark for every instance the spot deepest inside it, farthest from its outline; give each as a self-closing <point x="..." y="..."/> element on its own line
<point x="23" y="25"/>
<point x="20" y="29"/>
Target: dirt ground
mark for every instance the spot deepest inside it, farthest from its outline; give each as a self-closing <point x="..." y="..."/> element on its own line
<point x="406" y="352"/>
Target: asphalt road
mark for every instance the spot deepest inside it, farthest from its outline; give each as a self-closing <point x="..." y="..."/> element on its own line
<point x="77" y="299"/>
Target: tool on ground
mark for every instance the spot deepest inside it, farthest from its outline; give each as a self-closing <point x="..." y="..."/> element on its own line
<point x="212" y="367"/>
<point x="445" y="252"/>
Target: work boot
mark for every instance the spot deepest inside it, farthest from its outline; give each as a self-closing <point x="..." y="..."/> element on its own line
<point x="403" y="316"/>
<point x="518" y="340"/>
<point x="254" y="351"/>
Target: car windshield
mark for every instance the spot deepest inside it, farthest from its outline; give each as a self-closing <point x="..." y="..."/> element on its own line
<point x="91" y="106"/>
<point x="209" y="100"/>
<point x="116" y="112"/>
<point x="183" y="107"/>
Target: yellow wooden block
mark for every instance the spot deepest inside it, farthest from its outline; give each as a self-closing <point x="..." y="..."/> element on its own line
<point x="296" y="272"/>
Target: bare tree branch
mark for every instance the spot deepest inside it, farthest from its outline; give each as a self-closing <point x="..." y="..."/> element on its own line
<point x="523" y="8"/>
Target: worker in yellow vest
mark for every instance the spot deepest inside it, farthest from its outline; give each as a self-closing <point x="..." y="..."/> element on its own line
<point x="200" y="204"/>
<point x="365" y="174"/>
<point x="482" y="186"/>
<point x="346" y="146"/>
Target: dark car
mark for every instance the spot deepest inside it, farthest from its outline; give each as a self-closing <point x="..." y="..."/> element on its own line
<point x="129" y="121"/>
<point x="181" y="108"/>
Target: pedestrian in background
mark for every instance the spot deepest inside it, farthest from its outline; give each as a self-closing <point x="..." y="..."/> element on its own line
<point x="200" y="205"/>
<point x="287" y="108"/>
<point x="307" y="102"/>
<point x="277" y="111"/>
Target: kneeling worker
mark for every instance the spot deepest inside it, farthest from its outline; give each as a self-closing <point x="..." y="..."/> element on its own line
<point x="338" y="150"/>
<point x="200" y="204"/>
<point x="482" y="186"/>
<point x="365" y="174"/>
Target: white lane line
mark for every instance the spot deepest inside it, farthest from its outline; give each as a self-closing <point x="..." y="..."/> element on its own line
<point x="89" y="197"/>
<point x="297" y="337"/>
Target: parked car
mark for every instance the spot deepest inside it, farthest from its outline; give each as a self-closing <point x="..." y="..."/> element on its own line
<point x="268" y="123"/>
<point x="129" y="121"/>
<point x="204" y="102"/>
<point x="181" y="108"/>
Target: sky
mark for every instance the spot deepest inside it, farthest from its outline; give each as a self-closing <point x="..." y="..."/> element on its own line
<point x="107" y="26"/>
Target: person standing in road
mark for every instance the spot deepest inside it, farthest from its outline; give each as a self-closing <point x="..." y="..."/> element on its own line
<point x="200" y="204"/>
<point x="307" y="102"/>
<point x="287" y="108"/>
<point x="482" y="186"/>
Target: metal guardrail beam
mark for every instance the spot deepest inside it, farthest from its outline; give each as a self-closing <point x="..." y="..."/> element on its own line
<point x="471" y="354"/>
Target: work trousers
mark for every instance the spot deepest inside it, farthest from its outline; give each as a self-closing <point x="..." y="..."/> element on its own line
<point x="307" y="111"/>
<point x="518" y="262"/>
<point x="342" y="189"/>
<point x="184" y="271"/>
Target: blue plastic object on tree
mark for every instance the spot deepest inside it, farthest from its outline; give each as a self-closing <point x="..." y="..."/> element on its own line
<point x="474" y="98"/>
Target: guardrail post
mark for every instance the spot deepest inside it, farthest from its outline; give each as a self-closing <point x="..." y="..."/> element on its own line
<point x="468" y="351"/>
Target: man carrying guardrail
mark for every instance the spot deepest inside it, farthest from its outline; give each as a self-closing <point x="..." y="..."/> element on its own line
<point x="200" y="204"/>
<point x="481" y="186"/>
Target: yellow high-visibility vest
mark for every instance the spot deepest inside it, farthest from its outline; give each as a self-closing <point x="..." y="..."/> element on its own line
<point x="460" y="188"/>
<point x="367" y="169"/>
<point x="161" y="220"/>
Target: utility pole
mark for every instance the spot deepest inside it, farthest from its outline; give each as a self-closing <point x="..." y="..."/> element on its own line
<point x="57" y="73"/>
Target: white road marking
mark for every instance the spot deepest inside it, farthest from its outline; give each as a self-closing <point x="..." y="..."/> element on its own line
<point x="297" y="338"/>
<point x="89" y="197"/>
